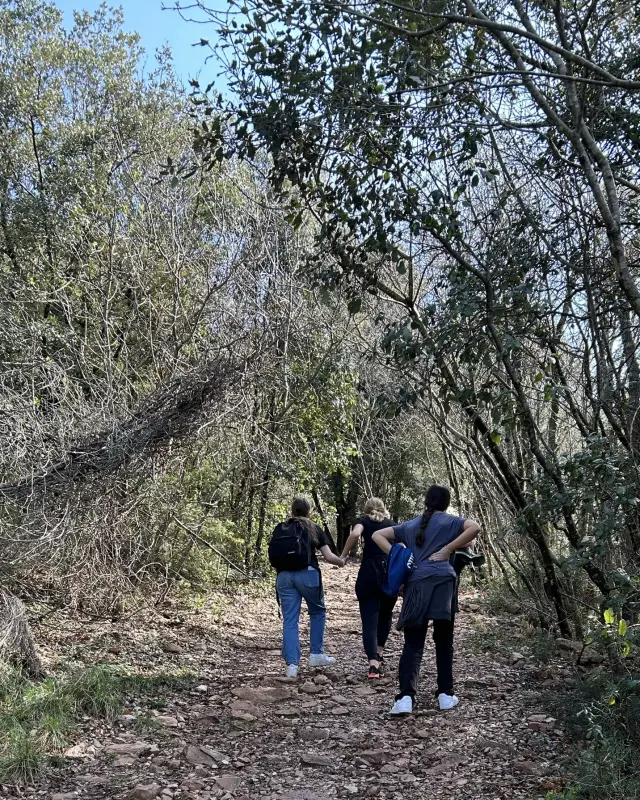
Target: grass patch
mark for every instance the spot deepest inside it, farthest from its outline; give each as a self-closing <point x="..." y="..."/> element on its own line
<point x="97" y="691"/>
<point x="604" y="715"/>
<point x="22" y="758"/>
<point x="37" y="720"/>
<point x="40" y="700"/>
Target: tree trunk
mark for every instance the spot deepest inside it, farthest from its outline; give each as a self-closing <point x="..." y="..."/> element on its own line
<point x="345" y="499"/>
<point x="262" y="516"/>
<point x="323" y="519"/>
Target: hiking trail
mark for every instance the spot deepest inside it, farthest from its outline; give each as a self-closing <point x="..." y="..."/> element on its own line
<point x="239" y="731"/>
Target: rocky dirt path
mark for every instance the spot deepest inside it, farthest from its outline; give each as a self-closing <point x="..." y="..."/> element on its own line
<point x="237" y="730"/>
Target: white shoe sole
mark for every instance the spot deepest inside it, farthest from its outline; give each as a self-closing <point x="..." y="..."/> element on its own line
<point x="406" y="713"/>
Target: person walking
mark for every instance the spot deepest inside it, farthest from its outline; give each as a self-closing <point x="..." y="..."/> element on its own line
<point x="429" y="593"/>
<point x="376" y="608"/>
<point x="292" y="553"/>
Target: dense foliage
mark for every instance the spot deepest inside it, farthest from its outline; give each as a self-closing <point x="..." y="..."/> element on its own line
<point x="168" y="380"/>
<point x="404" y="245"/>
<point x="474" y="165"/>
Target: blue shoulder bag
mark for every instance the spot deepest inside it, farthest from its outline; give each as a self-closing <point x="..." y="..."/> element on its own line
<point x="399" y="565"/>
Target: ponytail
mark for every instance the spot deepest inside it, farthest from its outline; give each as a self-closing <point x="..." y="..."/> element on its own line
<point x="438" y="499"/>
<point x="424" y="521"/>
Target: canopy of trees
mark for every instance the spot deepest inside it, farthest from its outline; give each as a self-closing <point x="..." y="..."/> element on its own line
<point x="403" y="246"/>
<point x="169" y="379"/>
<point x="472" y="169"/>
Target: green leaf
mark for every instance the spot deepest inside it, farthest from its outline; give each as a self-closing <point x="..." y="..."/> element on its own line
<point x="609" y="616"/>
<point x="495" y="437"/>
<point x="622" y="628"/>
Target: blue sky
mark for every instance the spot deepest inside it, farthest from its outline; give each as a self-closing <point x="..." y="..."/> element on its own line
<point x="156" y="28"/>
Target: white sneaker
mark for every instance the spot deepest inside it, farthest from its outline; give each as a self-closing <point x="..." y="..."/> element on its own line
<point x="447" y="701"/>
<point x="292" y="671"/>
<point x="320" y="660"/>
<point x="403" y="706"/>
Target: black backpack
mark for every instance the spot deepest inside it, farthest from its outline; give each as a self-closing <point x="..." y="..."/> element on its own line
<point x="290" y="548"/>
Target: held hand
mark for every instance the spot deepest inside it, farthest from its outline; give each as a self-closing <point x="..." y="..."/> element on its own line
<point x="441" y="555"/>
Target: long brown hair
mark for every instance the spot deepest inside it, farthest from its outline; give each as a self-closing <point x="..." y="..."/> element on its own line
<point x="300" y="510"/>
<point x="375" y="509"/>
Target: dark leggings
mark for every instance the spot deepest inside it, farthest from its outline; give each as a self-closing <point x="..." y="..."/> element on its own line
<point x="414" y="639"/>
<point x="376" y="614"/>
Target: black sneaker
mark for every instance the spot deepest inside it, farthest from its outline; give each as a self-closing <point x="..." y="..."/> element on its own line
<point x="374" y="673"/>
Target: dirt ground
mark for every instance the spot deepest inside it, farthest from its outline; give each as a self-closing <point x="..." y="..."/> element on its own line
<point x="232" y="727"/>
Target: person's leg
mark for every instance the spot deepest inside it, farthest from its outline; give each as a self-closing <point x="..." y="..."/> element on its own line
<point x="443" y="640"/>
<point x="409" y="672"/>
<point x="290" y="602"/>
<point x="410" y="661"/>
<point x="369" y="616"/>
<point x="385" y="620"/>
<point x="308" y="582"/>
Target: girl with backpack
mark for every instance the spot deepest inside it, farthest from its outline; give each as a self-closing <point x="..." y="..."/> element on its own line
<point x="429" y="593"/>
<point x="376" y="608"/>
<point x="292" y="553"/>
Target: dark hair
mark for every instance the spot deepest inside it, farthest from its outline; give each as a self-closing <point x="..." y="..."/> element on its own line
<point x="438" y="499"/>
<point x="300" y="510"/>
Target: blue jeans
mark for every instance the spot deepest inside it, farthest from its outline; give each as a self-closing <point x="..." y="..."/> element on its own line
<point x="292" y="587"/>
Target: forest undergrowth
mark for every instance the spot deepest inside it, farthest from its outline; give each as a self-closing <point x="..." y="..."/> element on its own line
<point x="396" y="245"/>
<point x="125" y="699"/>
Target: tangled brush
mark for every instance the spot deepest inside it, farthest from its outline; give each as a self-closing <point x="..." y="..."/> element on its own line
<point x="16" y="640"/>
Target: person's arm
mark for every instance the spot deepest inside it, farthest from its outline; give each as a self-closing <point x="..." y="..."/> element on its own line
<point x="470" y="530"/>
<point x="330" y="558"/>
<point x="384" y="538"/>
<point x="355" y="534"/>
